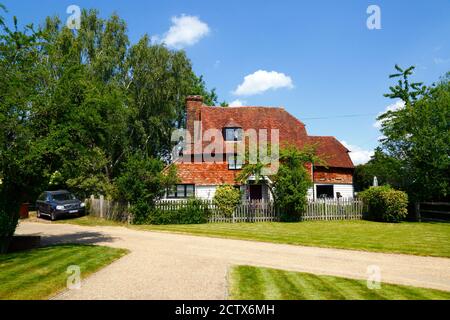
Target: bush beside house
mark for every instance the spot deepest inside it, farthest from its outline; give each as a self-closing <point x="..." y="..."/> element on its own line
<point x="226" y="199"/>
<point x="385" y="204"/>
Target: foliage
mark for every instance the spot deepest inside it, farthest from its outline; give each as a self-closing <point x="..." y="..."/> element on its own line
<point x="142" y="182"/>
<point x="417" y="139"/>
<point x="404" y="90"/>
<point x="385" y="203"/>
<point x="195" y="211"/>
<point x="292" y="181"/>
<point x="227" y="199"/>
<point x="8" y="225"/>
<point x="142" y="179"/>
<point x="76" y="105"/>
<point x="387" y="170"/>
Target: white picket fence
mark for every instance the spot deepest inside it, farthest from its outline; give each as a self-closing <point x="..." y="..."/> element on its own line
<point x="334" y="209"/>
<point x="248" y="211"/>
<point x="266" y="211"/>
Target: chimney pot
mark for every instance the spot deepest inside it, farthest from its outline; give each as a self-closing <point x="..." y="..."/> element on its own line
<point x="194" y="98"/>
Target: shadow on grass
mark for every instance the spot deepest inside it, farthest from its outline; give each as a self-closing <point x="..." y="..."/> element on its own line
<point x="82" y="237"/>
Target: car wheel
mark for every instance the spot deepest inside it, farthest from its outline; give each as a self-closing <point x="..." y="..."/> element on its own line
<point x="52" y="216"/>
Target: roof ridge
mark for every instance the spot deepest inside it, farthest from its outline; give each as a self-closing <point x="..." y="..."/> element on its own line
<point x="241" y="107"/>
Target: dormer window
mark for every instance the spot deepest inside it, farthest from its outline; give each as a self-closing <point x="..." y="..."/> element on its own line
<point x="233" y="134"/>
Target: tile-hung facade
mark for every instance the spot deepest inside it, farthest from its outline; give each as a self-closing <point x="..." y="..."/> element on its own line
<point x="200" y="178"/>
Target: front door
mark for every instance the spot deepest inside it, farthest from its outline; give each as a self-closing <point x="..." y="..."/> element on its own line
<point x="256" y="192"/>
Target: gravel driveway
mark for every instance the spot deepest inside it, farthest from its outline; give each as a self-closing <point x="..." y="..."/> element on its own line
<point x="174" y="266"/>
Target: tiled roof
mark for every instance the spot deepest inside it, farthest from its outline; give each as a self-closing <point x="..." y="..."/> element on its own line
<point x="206" y="173"/>
<point x="291" y="130"/>
<point x="332" y="151"/>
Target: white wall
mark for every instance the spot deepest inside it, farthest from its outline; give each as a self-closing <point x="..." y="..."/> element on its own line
<point x="205" y="192"/>
<point x="346" y="190"/>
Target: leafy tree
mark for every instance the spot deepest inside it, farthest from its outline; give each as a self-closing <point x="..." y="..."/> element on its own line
<point x="142" y="182"/>
<point x="418" y="139"/>
<point x="76" y="107"/>
<point x="387" y="170"/>
<point x="291" y="183"/>
<point x="159" y="82"/>
<point x="19" y="177"/>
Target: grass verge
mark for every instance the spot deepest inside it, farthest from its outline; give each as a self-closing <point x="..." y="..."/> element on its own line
<point x="254" y="283"/>
<point x="40" y="273"/>
<point x="425" y="239"/>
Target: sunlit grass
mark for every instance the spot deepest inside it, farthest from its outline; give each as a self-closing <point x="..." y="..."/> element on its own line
<point x="253" y="283"/>
<point x="427" y="239"/>
<point x="40" y="273"/>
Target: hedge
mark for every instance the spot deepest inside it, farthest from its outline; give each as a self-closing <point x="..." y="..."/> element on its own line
<point x="385" y="204"/>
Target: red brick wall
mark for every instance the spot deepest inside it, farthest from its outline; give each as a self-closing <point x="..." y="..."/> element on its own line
<point x="333" y="175"/>
<point x="193" y="113"/>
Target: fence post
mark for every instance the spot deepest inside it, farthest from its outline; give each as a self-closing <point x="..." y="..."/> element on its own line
<point x="102" y="198"/>
<point x="128" y="213"/>
<point x="91" y="204"/>
<point x="418" y="217"/>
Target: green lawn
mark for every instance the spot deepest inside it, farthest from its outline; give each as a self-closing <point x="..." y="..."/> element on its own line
<point x="40" y="273"/>
<point x="427" y="239"/>
<point x="92" y="221"/>
<point x="252" y="283"/>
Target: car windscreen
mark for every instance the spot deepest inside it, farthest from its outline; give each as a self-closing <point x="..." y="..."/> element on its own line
<point x="63" y="196"/>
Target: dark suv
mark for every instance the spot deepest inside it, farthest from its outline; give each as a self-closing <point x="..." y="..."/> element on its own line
<point x="55" y="204"/>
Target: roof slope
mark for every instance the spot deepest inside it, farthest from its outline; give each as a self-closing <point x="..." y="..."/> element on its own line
<point x="291" y="130"/>
<point x="331" y="151"/>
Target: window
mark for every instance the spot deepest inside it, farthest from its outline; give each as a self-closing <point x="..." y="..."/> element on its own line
<point x="234" y="162"/>
<point x="233" y="134"/>
<point x="63" y="196"/>
<point x="325" y="191"/>
<point x="181" y="191"/>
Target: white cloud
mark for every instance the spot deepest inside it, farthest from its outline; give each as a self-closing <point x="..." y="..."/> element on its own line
<point x="393" y="107"/>
<point x="185" y="31"/>
<point x="237" y="103"/>
<point x="358" y="154"/>
<point x="261" y="81"/>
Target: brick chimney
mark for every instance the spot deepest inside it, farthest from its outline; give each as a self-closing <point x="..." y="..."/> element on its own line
<point x="193" y="113"/>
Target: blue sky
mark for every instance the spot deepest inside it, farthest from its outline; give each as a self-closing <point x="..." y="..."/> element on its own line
<point x="318" y="59"/>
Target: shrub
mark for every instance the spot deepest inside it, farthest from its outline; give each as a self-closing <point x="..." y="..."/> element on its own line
<point x="385" y="204"/>
<point x="140" y="212"/>
<point x="195" y="211"/>
<point x="8" y="224"/>
<point x="290" y="189"/>
<point x="227" y="199"/>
